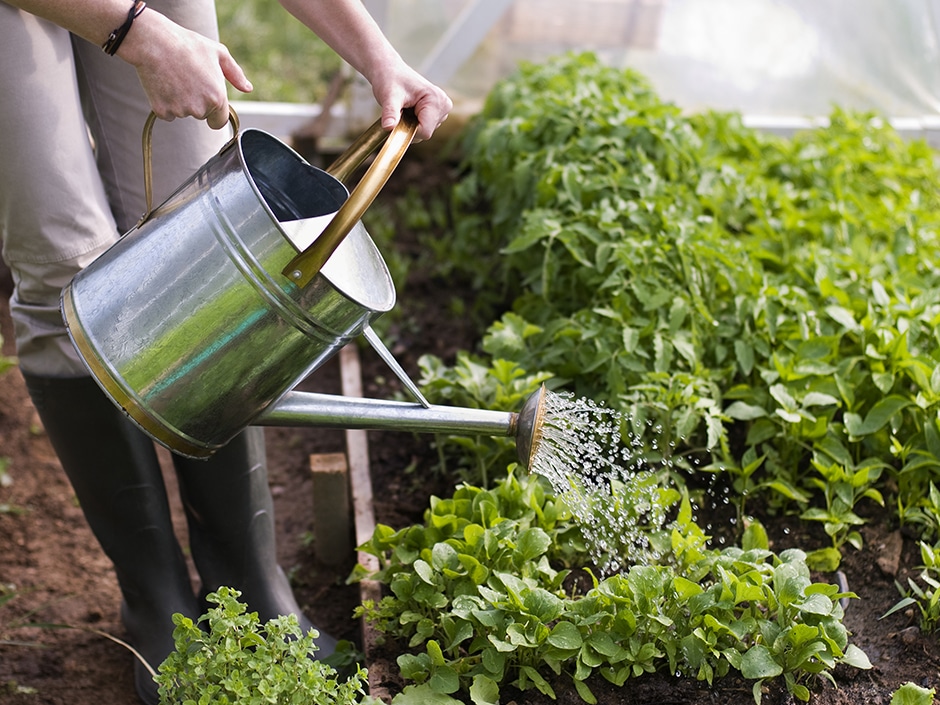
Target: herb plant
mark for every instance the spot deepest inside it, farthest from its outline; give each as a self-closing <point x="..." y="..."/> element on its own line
<point x="237" y="661"/>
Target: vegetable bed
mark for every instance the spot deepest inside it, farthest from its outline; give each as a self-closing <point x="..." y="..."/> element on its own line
<point x="762" y="311"/>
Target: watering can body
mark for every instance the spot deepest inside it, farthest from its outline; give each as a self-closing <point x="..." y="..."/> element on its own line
<point x="202" y="319"/>
<point x="189" y="323"/>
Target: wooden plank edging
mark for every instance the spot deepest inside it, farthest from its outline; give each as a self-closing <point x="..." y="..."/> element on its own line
<point x="360" y="480"/>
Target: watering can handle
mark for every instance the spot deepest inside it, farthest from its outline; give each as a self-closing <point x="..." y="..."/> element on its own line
<point x="147" y="145"/>
<point x="304" y="267"/>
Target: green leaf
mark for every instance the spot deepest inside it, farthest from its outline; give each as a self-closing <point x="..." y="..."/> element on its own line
<point x="744" y="412"/>
<point x="745" y="356"/>
<point x="783" y="397"/>
<point x="854" y="656"/>
<point x="423" y="694"/>
<point x="819" y="399"/>
<point x="539" y="681"/>
<point x="484" y="691"/>
<point x="434" y="651"/>
<point x="565" y="635"/>
<point x="913" y="694"/>
<point x="824" y="560"/>
<point x="877" y="418"/>
<point x="758" y="663"/>
<point x="584" y="692"/>
<point x="424" y="571"/>
<point x="532" y="543"/>
<point x="842" y="316"/>
<point x="755" y="536"/>
<point x="686" y="588"/>
<point x="444" y="679"/>
<point x="902" y="604"/>
<point x="543" y="605"/>
<point x="818" y="605"/>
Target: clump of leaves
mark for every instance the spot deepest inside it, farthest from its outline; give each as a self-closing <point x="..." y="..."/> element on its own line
<point x="237" y="661"/>
<point x="472" y="383"/>
<point x="284" y="61"/>
<point x="478" y="596"/>
<point x="923" y="514"/>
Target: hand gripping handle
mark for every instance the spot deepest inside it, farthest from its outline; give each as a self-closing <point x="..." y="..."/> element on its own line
<point x="147" y="145"/>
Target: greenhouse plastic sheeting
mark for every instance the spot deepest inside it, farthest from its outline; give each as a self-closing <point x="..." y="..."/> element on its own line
<point x="760" y="57"/>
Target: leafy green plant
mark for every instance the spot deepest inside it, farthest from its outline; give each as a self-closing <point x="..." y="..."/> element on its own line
<point x="469" y="383"/>
<point x="228" y="657"/>
<point x="757" y="306"/>
<point x="476" y="596"/>
<point x="923" y="513"/>
<point x="841" y="490"/>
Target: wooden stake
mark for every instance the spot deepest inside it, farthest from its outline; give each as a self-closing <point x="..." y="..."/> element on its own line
<point x="332" y="518"/>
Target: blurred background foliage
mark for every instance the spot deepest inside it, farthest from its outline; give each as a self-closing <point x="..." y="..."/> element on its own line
<point x="283" y="59"/>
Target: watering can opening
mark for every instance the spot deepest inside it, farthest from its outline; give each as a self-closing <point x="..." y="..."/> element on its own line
<point x="302" y="200"/>
<point x="292" y="188"/>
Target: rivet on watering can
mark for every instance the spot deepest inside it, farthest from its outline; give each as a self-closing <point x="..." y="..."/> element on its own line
<point x="296" y="274"/>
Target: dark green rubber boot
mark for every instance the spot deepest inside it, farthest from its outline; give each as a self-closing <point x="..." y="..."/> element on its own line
<point x="231" y="529"/>
<point x="113" y="469"/>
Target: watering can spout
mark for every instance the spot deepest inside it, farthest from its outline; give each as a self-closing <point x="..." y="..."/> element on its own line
<point x="529" y="427"/>
<point x="334" y="411"/>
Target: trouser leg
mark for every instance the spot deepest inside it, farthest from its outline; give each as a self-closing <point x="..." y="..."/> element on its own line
<point x="230" y="514"/>
<point x="117" y="479"/>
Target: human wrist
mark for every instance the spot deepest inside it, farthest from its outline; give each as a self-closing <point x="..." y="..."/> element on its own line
<point x="381" y="68"/>
<point x="139" y="45"/>
<point x="119" y="33"/>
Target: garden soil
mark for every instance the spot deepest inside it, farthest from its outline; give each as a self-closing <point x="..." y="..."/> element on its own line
<point x="50" y="559"/>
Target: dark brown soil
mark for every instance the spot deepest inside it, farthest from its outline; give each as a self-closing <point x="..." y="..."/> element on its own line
<point x="49" y="557"/>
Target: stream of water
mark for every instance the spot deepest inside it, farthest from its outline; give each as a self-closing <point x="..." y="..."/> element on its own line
<point x="607" y="484"/>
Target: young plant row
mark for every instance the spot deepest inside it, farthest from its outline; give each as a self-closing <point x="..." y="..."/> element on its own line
<point x="760" y="308"/>
<point x="476" y="595"/>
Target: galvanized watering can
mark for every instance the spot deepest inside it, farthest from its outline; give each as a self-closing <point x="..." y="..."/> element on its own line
<point x="202" y="319"/>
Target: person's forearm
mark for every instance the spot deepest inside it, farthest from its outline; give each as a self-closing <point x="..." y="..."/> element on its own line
<point x="348" y="28"/>
<point x="90" y="19"/>
<point x="94" y="20"/>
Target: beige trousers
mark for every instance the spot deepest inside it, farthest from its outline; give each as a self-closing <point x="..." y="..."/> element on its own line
<point x="71" y="166"/>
